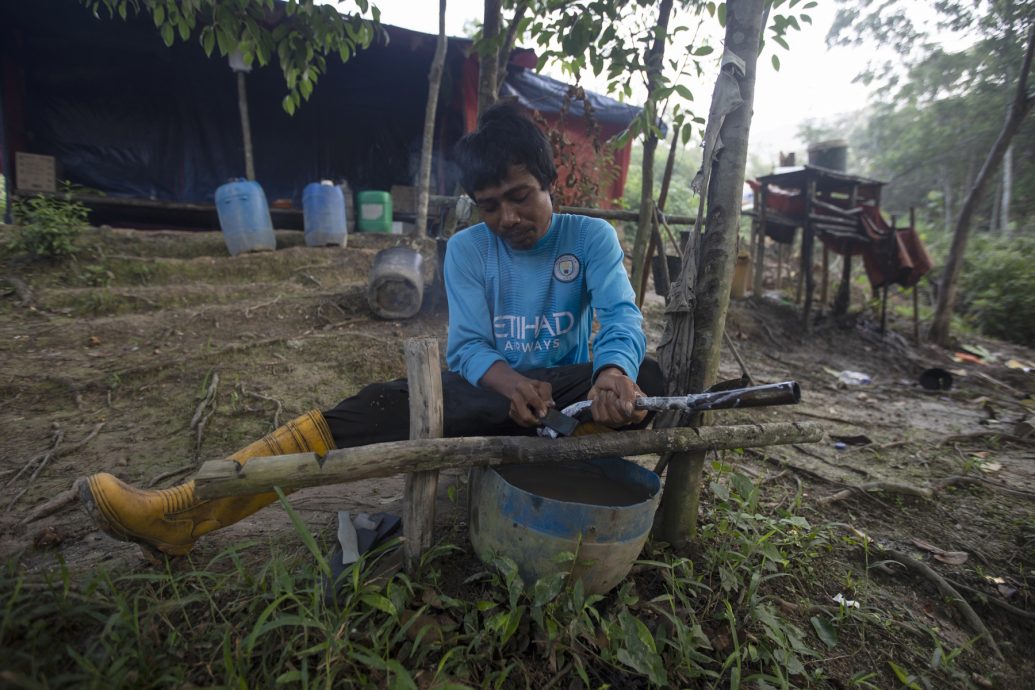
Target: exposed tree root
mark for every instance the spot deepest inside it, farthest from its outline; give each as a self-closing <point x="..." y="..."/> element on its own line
<point x="206" y="408"/>
<point x="171" y="473"/>
<point x="260" y="396"/>
<point x="50" y="507"/>
<point x="980" y="481"/>
<point x="40" y="461"/>
<point x="248" y="310"/>
<point x="889" y="487"/>
<point x="817" y="456"/>
<point x="988" y="598"/>
<point x="943" y="586"/>
<point x="1009" y="438"/>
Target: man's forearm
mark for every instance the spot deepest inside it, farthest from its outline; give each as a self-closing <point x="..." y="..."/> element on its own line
<point x="502" y="379"/>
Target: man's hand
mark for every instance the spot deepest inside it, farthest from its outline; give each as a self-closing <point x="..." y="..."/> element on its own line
<point x="613" y="395"/>
<point x="529" y="399"/>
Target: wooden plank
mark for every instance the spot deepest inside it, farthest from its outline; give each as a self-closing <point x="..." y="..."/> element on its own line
<point x="221" y="478"/>
<point x="424" y="376"/>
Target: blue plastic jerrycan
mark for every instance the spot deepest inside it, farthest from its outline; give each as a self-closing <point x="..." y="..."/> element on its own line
<point x="323" y="212"/>
<point x="244" y="217"/>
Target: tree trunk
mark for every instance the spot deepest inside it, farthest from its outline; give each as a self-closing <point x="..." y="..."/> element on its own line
<point x="427" y="144"/>
<point x="655" y="65"/>
<point x="677" y="523"/>
<point x="1019" y="108"/>
<point x="488" y="66"/>
<point x="507" y="47"/>
<point x="1004" y="209"/>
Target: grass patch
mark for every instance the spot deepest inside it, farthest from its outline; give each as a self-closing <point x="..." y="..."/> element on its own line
<point x="728" y="618"/>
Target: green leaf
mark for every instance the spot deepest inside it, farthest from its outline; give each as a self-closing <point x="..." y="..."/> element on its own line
<point x="379" y="602"/>
<point x="167" y="35"/>
<point x="304" y="533"/>
<point x="722" y="14"/>
<point x="703" y="50"/>
<point x="159" y="15"/>
<point x="720" y="491"/>
<point x="904" y="676"/>
<point x="826" y="632"/>
<point x="208" y="40"/>
<point x="776" y="63"/>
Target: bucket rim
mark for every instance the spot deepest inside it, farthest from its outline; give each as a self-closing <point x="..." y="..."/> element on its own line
<point x="654" y="490"/>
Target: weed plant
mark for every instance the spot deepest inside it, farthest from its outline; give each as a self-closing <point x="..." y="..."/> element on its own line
<point x="49" y="226"/>
<point x="718" y="620"/>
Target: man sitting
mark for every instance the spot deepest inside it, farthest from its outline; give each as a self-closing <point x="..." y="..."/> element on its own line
<point x="523" y="288"/>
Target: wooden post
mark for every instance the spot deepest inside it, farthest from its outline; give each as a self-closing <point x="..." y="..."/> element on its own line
<point x="759" y="267"/>
<point x="801" y="268"/>
<point x="780" y="251"/>
<point x="426" y="418"/>
<point x="825" y="281"/>
<point x="844" y="290"/>
<point x="807" y="241"/>
<point x="916" y="287"/>
<point x="884" y="310"/>
<point x="246" y="126"/>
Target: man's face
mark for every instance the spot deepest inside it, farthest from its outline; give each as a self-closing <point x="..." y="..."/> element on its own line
<point x="518" y="210"/>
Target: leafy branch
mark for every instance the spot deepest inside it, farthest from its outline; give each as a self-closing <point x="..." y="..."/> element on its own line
<point x="298" y="33"/>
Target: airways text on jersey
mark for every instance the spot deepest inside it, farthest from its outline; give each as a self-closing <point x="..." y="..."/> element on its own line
<point x="532" y="333"/>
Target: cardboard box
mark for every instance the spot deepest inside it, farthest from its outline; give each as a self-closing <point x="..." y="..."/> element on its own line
<point x="34" y="173"/>
<point x="404" y="199"/>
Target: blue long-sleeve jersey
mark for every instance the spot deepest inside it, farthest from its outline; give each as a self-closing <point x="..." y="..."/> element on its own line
<point x="534" y="308"/>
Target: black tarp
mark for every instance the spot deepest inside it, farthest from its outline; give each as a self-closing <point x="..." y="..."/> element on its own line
<point x="127" y="116"/>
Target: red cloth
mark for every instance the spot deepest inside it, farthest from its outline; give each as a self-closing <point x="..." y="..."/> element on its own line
<point x="889" y="256"/>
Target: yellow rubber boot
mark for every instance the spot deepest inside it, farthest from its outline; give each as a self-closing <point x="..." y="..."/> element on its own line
<point x="171" y="520"/>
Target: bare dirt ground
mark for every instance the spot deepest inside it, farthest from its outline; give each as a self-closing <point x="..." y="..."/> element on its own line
<point x="105" y="361"/>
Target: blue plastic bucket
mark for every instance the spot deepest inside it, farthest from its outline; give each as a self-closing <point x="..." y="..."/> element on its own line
<point x="244" y="217"/>
<point x="600" y="510"/>
<point x="323" y="214"/>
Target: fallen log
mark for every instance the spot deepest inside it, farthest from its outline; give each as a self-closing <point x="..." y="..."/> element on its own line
<point x="223" y="477"/>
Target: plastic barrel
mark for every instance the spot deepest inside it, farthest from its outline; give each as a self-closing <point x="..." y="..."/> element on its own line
<point x="600" y="510"/>
<point x="832" y="155"/>
<point x="244" y="217"/>
<point x="323" y="215"/>
<point x="396" y="286"/>
<point x="375" y="211"/>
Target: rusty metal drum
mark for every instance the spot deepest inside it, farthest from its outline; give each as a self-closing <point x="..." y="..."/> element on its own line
<point x="599" y="510"/>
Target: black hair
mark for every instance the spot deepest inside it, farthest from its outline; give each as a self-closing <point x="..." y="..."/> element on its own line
<point x="505" y="137"/>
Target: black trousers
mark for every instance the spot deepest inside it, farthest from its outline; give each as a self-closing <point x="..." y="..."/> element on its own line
<point x="381" y="412"/>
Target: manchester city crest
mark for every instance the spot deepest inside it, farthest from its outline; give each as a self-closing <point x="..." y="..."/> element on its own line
<point x="566" y="268"/>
